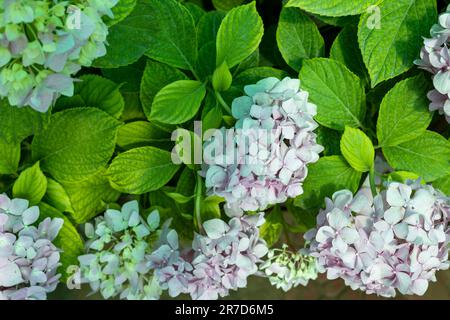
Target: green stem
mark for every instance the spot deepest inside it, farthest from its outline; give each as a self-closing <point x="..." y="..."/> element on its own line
<point x="198" y="201"/>
<point x="373" y="187"/>
<point x="223" y="103"/>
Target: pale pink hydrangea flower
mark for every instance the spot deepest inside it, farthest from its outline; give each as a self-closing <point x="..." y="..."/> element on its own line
<point x="395" y="241"/>
<point x="265" y="161"/>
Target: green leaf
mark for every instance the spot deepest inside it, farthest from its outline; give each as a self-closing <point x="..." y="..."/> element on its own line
<point x="212" y="118"/>
<point x="179" y="198"/>
<point x="272" y="227"/>
<point x="226" y="5"/>
<point x="120" y="11"/>
<point x="95" y="91"/>
<point x="337" y="92"/>
<point x="208" y="26"/>
<point x="253" y="75"/>
<point x="186" y="187"/>
<point x="196" y="12"/>
<point x="76" y="144"/>
<point x="156" y="76"/>
<point x="404" y="113"/>
<point x="427" y="155"/>
<point x="391" y="49"/>
<point x="178" y="102"/>
<point x="90" y="197"/>
<point x="31" y="185"/>
<point x="357" y="149"/>
<point x="210" y="208"/>
<point x="239" y="35"/>
<point x="18" y="123"/>
<point x="188" y="147"/>
<point x="330" y="140"/>
<point x="345" y="49"/>
<point x="141" y="170"/>
<point x="129" y="39"/>
<point x="333" y="8"/>
<point x="141" y="133"/>
<point x="174" y="37"/>
<point x="68" y="240"/>
<point x="443" y="184"/>
<point x="325" y="177"/>
<point x="222" y="78"/>
<point x="402" y="176"/>
<point x="298" y="38"/>
<point x="9" y="156"/>
<point x="57" y="197"/>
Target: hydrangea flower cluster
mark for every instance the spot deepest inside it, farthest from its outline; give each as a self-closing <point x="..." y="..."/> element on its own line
<point x="219" y="261"/>
<point x="118" y="251"/>
<point x="435" y="58"/>
<point x="287" y="270"/>
<point x="44" y="42"/>
<point x="265" y="161"/>
<point x="28" y="258"/>
<point x="395" y="240"/>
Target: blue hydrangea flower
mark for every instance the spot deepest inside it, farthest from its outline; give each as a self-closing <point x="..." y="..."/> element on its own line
<point x="43" y="43"/>
<point x="117" y="259"/>
<point x="28" y="258"/>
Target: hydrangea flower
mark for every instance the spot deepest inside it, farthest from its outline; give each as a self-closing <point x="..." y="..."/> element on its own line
<point x="28" y="258"/>
<point x="44" y="42"/>
<point x="218" y="262"/>
<point x="265" y="160"/>
<point x="118" y="251"/>
<point x="435" y="58"/>
<point x="396" y="240"/>
<point x="287" y="270"/>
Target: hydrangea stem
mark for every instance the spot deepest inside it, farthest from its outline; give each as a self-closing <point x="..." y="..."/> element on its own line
<point x="198" y="201"/>
<point x="373" y="187"/>
<point x="223" y="103"/>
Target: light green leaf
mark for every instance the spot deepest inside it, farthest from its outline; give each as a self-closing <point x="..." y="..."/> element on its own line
<point x="239" y="35"/>
<point x="210" y="208"/>
<point x="57" y="197"/>
<point x="357" y="149"/>
<point x="298" y="38"/>
<point x="333" y="8"/>
<point x="31" y="185"/>
<point x="156" y="76"/>
<point x="95" y="91"/>
<point x="391" y="49"/>
<point x="129" y="39"/>
<point x="272" y="227"/>
<point x="212" y="118"/>
<point x="18" y="123"/>
<point x="68" y="240"/>
<point x="76" y="144"/>
<point x="404" y="113"/>
<point x="427" y="155"/>
<point x="141" y="170"/>
<point x="120" y="11"/>
<point x="443" y="184"/>
<point x="222" y="78"/>
<point x="328" y="175"/>
<point x="345" y="49"/>
<point x="9" y="156"/>
<point x="90" y="197"/>
<point x="174" y="37"/>
<point x="337" y="92"/>
<point x="178" y="102"/>
<point x="179" y="198"/>
<point x="141" y="133"/>
<point x="402" y="176"/>
<point x="226" y="5"/>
